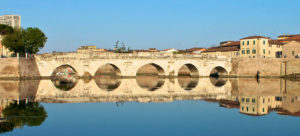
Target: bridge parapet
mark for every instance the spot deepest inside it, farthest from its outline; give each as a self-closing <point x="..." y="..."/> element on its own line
<point x="129" y="63"/>
<point x="110" y="55"/>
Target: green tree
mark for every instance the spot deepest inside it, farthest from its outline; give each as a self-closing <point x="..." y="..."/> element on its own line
<point x="5" y="29"/>
<point x="29" y="40"/>
<point x="14" y="41"/>
<point x="33" y="40"/>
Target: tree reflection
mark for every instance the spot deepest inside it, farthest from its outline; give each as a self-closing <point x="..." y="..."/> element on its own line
<point x="24" y="114"/>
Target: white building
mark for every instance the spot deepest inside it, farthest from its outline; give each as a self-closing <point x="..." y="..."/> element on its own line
<point x="11" y="20"/>
<point x="169" y="50"/>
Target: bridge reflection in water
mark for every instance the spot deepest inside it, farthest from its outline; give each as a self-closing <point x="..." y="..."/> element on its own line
<point x="252" y="97"/>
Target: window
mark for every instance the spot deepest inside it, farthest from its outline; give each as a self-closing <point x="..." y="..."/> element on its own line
<point x="293" y="53"/>
<point x="243" y="43"/>
<point x="248" y="51"/>
<point x="253" y="100"/>
<point x="247" y="100"/>
<point x="253" y="51"/>
<point x="243" y="51"/>
<point x="263" y="100"/>
<point x="247" y="42"/>
<point x="243" y="99"/>
<point x="253" y="109"/>
<point x="237" y="53"/>
<point x="264" y="51"/>
<point x="269" y="52"/>
<point x="264" y="42"/>
<point x="263" y="109"/>
<point x="247" y="109"/>
<point x="242" y="108"/>
<point x="253" y="42"/>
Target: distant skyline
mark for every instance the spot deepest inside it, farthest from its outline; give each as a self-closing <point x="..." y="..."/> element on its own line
<point x="160" y="24"/>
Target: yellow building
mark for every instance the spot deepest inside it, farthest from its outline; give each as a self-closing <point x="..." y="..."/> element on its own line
<point x="255" y="47"/>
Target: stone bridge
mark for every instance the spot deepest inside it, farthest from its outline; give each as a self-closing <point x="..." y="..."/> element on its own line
<point x="127" y="65"/>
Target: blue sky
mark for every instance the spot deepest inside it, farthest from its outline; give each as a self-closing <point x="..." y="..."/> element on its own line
<point x="161" y="24"/>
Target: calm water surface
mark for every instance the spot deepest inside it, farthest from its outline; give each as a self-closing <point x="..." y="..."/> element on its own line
<point x="149" y="105"/>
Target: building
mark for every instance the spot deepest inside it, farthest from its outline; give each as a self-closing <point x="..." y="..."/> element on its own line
<point x="89" y="49"/>
<point x="149" y="50"/>
<point x="288" y="38"/>
<point x="169" y="50"/>
<point x="291" y="49"/>
<point x="255" y="47"/>
<point x="195" y="50"/>
<point x="228" y="49"/>
<point x="11" y="20"/>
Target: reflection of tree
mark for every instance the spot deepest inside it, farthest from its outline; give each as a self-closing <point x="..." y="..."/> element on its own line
<point x="30" y="114"/>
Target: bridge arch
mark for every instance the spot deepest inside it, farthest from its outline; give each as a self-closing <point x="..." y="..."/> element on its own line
<point x="188" y="70"/>
<point x="64" y="77"/>
<point x="108" y="69"/>
<point x="151" y="69"/>
<point x="219" y="71"/>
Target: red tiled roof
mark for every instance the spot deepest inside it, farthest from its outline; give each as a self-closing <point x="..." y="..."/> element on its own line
<point x="233" y="43"/>
<point x="255" y="37"/>
<point x="194" y="49"/>
<point x="223" y="48"/>
<point x="278" y="42"/>
<point x="167" y="49"/>
<point x="289" y="35"/>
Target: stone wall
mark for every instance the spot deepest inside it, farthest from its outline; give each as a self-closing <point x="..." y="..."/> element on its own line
<point x="250" y="67"/>
<point x="9" y="67"/>
<point x="14" y="68"/>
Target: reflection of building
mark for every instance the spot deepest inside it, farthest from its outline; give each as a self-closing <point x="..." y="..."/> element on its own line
<point x="3" y="104"/>
<point x="259" y="105"/>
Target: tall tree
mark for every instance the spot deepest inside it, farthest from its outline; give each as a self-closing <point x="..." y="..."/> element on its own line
<point x="30" y="40"/>
<point x="14" y="41"/>
<point x="33" y="40"/>
<point x="5" y="29"/>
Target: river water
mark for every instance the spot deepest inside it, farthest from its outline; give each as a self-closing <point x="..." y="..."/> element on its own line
<point x="150" y="105"/>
